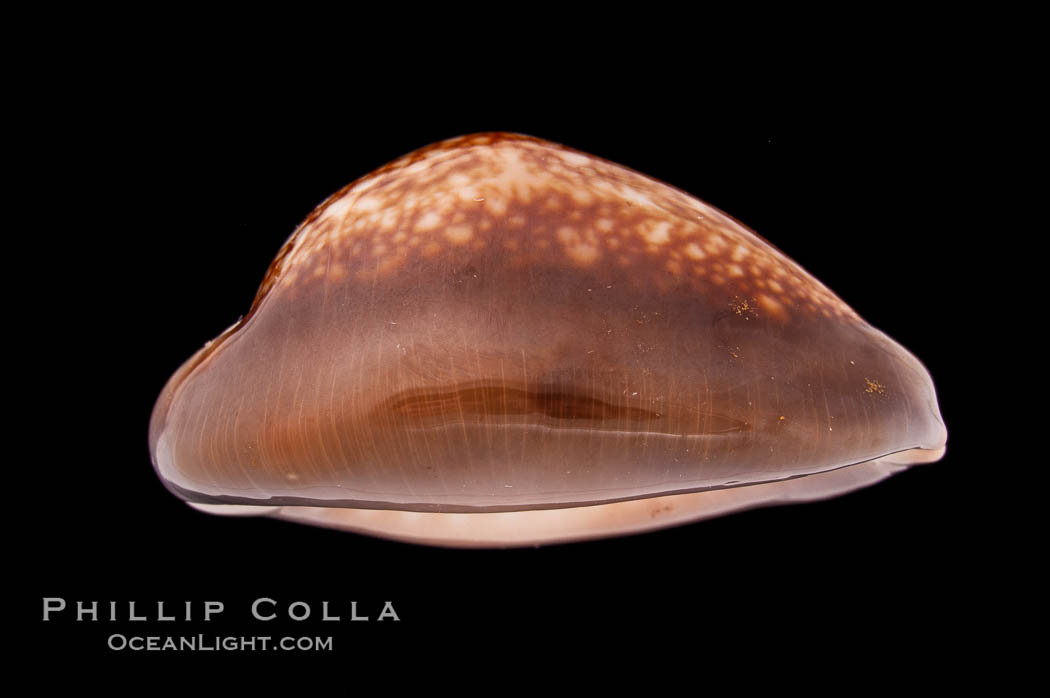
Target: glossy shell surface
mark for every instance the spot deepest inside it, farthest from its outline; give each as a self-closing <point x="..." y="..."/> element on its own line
<point x="497" y="340"/>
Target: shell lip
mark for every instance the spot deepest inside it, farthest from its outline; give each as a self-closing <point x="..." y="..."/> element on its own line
<point x="906" y="457"/>
<point x="159" y="415"/>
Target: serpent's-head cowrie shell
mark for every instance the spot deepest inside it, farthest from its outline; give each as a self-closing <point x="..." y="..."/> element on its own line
<point x="499" y="341"/>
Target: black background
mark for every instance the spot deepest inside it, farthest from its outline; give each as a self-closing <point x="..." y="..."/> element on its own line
<point x="170" y="197"/>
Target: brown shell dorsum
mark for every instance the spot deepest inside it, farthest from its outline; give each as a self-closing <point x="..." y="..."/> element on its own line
<point x="498" y="341"/>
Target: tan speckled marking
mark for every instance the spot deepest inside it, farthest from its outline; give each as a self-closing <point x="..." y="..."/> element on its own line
<point x="480" y="190"/>
<point x="874" y="387"/>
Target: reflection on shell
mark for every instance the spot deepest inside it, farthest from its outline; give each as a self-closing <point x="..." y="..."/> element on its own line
<point x="497" y="340"/>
